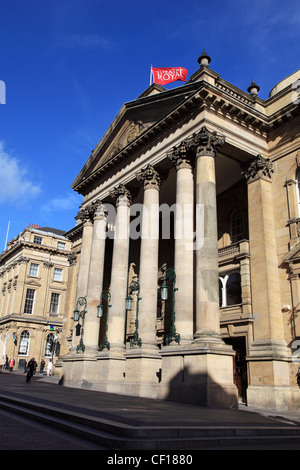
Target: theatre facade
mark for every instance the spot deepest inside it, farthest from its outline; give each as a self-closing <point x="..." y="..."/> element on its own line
<point x="185" y="270"/>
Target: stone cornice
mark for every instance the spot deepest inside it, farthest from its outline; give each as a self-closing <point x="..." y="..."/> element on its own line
<point x="29" y="319"/>
<point x="32" y="246"/>
<point x="225" y="100"/>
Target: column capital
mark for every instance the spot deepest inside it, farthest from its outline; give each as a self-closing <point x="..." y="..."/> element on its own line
<point x="260" y="167"/>
<point x="206" y="142"/>
<point x="179" y="156"/>
<point x="121" y="194"/>
<point x="149" y="177"/>
<point x="87" y="213"/>
<point x="100" y="212"/>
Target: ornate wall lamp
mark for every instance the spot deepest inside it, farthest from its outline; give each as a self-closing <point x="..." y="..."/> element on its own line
<point x="134" y="287"/>
<point x="170" y="275"/>
<point x="80" y="314"/>
<point x="105" y="296"/>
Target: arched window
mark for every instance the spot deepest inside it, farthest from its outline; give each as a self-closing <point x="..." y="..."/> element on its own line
<point x="230" y="290"/>
<point x="50" y="344"/>
<point x="236" y="226"/>
<point x="222" y="291"/>
<point x="233" y="288"/>
<point x="24" y="343"/>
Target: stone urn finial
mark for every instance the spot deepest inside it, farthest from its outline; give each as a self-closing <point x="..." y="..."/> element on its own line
<point x="204" y="60"/>
<point x="253" y="89"/>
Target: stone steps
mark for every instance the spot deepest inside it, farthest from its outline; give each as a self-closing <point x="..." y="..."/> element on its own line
<point x="119" y="436"/>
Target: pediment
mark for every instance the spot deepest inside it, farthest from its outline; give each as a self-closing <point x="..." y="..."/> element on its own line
<point x="134" y="119"/>
<point x="129" y="131"/>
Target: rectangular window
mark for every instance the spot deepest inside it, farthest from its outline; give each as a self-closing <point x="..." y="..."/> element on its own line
<point x="34" y="269"/>
<point x="37" y="240"/>
<point x="54" y="303"/>
<point x="57" y="274"/>
<point x="61" y="245"/>
<point x="29" y="301"/>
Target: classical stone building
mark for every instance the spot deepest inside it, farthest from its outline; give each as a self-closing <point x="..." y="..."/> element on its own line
<point x="193" y="191"/>
<point x="33" y="292"/>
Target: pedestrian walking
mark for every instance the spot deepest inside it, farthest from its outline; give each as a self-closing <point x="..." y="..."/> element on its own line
<point x="31" y="366"/>
<point x="42" y="366"/>
<point x="11" y="364"/>
<point x="49" y="368"/>
<point x="6" y="363"/>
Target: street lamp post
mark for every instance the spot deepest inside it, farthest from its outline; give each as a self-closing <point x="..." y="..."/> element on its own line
<point x="134" y="287"/>
<point x="80" y="314"/>
<point x="105" y="295"/>
<point x="170" y="275"/>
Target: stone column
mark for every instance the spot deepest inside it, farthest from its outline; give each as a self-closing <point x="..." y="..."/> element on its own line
<point x="173" y="363"/>
<point x="110" y="367"/>
<point x="77" y="369"/>
<point x="207" y="274"/>
<point x="202" y="372"/>
<point x="86" y="216"/>
<point x="119" y="271"/>
<point x="269" y="356"/>
<point x="149" y="257"/>
<point x="95" y="280"/>
<point x="184" y="253"/>
<point x="143" y="363"/>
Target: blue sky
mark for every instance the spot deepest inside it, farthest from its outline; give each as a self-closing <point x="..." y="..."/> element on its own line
<point x="69" y="65"/>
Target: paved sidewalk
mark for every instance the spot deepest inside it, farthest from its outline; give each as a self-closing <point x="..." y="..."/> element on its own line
<point x="137" y="412"/>
<point x="133" y="410"/>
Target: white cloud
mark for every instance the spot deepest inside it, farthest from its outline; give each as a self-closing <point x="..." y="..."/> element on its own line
<point x="67" y="203"/>
<point x="84" y="41"/>
<point x="16" y="184"/>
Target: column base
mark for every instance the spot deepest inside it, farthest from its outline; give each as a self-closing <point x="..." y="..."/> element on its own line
<point x="110" y="371"/>
<point x="274" y="397"/>
<point x="78" y="371"/>
<point x="269" y="372"/>
<point x="102" y="372"/>
<point x="200" y="374"/>
<point x="142" y="373"/>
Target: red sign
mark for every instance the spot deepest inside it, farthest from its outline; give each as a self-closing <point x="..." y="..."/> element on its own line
<point x="168" y="75"/>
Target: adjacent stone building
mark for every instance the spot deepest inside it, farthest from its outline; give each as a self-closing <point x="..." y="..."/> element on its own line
<point x="194" y="191"/>
<point x="33" y="292"/>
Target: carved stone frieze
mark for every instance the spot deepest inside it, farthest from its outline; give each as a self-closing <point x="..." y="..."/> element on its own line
<point x="133" y="130"/>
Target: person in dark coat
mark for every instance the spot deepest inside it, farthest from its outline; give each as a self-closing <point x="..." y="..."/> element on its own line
<point x="42" y="366"/>
<point x="31" y="366"/>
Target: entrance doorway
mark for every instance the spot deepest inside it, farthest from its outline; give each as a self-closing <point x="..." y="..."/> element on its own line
<point x="239" y="364"/>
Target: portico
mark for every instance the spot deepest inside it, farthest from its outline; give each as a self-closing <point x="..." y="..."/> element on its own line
<point x="171" y="156"/>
